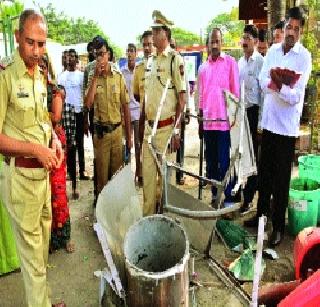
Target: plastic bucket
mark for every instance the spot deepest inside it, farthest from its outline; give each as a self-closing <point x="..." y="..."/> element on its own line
<point x="306" y="252"/>
<point x="309" y="167"/>
<point x="304" y="195"/>
<point x="306" y="294"/>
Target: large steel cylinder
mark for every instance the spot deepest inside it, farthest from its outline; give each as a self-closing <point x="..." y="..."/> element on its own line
<point x="156" y="252"/>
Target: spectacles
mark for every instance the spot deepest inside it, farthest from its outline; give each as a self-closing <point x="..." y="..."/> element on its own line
<point x="101" y="53"/>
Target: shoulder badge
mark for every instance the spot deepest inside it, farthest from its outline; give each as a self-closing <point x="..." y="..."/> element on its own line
<point x="115" y="68"/>
<point x="6" y="61"/>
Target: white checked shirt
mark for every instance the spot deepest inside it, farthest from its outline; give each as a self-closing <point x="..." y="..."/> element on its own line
<point x="249" y="71"/>
<point x="73" y="83"/>
<point x="282" y="110"/>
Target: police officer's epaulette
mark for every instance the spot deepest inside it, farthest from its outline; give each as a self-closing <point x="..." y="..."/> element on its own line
<point x="7" y="61"/>
<point x="173" y="52"/>
<point x="115" y="68"/>
<point x="140" y="64"/>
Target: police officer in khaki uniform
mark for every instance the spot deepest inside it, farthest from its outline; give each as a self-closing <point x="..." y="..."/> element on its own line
<point x="163" y="65"/>
<point x="108" y="95"/>
<point x="138" y="77"/>
<point x="138" y="85"/>
<point x="25" y="134"/>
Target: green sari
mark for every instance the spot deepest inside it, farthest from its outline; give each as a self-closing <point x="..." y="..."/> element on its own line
<point x="9" y="260"/>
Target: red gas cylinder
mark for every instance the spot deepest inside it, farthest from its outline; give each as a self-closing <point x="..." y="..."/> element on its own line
<point x="306" y="294"/>
<point x="307" y="252"/>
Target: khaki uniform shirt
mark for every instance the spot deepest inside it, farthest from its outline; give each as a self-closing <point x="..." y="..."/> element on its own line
<point x="157" y="72"/>
<point x="23" y="104"/>
<point x="111" y="93"/>
<point x="138" y="80"/>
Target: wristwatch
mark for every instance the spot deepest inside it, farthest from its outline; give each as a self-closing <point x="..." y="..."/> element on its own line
<point x="176" y="131"/>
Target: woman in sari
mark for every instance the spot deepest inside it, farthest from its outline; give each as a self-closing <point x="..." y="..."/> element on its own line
<point x="61" y="226"/>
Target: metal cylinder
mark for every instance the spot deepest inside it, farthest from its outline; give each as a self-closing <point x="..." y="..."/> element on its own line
<point x="156" y="251"/>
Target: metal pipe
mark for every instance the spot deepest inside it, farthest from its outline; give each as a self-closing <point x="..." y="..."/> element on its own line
<point x="202" y="215"/>
<point x="231" y="283"/>
<point x="178" y="167"/>
<point x="200" y="169"/>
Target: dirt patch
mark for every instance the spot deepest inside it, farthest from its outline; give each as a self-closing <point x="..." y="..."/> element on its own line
<point x="71" y="275"/>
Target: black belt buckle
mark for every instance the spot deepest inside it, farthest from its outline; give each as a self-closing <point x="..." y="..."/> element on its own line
<point x="98" y="129"/>
<point x="108" y="128"/>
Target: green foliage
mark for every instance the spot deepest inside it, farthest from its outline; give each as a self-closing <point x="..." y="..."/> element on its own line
<point x="310" y="37"/>
<point x="61" y="28"/>
<point x="183" y="37"/>
<point x="10" y="11"/>
<point x="66" y="30"/>
<point x="230" y="26"/>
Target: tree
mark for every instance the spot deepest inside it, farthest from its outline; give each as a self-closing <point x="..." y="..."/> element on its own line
<point x="9" y="21"/>
<point x="277" y="10"/>
<point x="230" y="26"/>
<point x="66" y="30"/>
<point x="11" y="10"/>
<point x="311" y="35"/>
<point x="183" y="37"/>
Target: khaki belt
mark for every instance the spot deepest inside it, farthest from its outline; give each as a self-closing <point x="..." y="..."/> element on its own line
<point x="24" y="162"/>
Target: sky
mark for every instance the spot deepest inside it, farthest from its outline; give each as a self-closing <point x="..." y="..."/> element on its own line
<point x="123" y="20"/>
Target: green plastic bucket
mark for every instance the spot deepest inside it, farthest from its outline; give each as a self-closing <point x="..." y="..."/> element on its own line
<point x="309" y="167"/>
<point x="304" y="195"/>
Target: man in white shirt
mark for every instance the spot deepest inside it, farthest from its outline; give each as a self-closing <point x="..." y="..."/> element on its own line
<point x="72" y="80"/>
<point x="278" y="32"/>
<point x="250" y="65"/>
<point x="134" y="105"/>
<point x="283" y="103"/>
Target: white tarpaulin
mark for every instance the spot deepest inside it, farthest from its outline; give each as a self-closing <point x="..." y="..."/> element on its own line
<point x="117" y="209"/>
<point x="240" y="139"/>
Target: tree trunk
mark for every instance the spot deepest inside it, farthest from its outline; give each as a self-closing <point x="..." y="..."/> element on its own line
<point x="276" y="12"/>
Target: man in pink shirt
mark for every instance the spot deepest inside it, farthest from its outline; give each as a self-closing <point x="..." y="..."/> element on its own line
<point x="220" y="72"/>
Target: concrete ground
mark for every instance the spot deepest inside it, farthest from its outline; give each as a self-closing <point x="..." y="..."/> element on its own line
<point x="71" y="275"/>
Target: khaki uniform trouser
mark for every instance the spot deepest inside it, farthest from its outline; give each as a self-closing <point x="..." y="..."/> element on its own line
<point x="149" y="168"/>
<point x="27" y="196"/>
<point x="108" y="155"/>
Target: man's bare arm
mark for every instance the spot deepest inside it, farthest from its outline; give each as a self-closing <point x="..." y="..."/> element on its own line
<point x="141" y="124"/>
<point x="180" y="107"/>
<point x="15" y="148"/>
<point x="127" y="121"/>
<point x="89" y="97"/>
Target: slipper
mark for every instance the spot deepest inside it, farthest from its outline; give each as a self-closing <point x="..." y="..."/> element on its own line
<point x="139" y="181"/>
<point x="75" y="195"/>
<point x="70" y="247"/>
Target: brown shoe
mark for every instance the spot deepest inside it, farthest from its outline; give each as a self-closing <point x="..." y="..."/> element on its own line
<point x="62" y="304"/>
